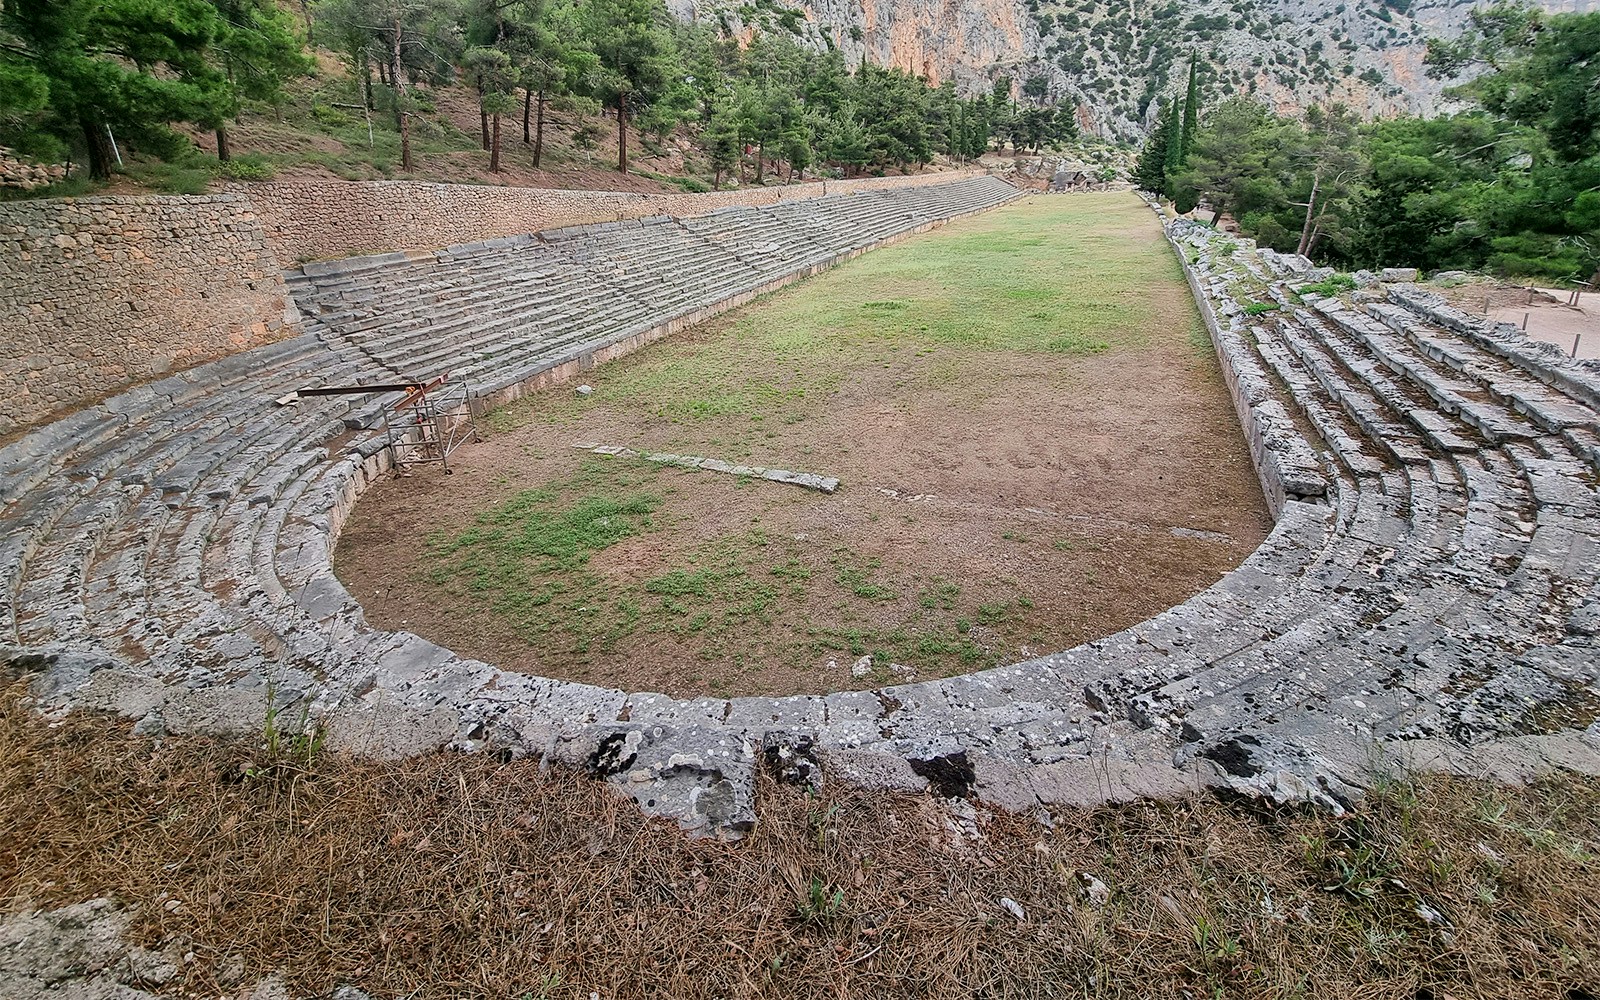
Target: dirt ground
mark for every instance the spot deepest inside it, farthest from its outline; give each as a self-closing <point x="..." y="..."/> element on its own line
<point x="1002" y="498"/>
<point x="1542" y="312"/>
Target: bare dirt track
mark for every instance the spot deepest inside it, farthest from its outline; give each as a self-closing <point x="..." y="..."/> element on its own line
<point x="1035" y="444"/>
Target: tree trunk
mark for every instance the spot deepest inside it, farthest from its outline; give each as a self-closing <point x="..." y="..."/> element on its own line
<point x="400" y="120"/>
<point x="716" y="180"/>
<point x="305" y="12"/>
<point x="494" y="149"/>
<point x="1305" y="230"/>
<point x="622" y="133"/>
<point x="761" y="162"/>
<point x="224" y="154"/>
<point x="366" y="80"/>
<point x="483" y="118"/>
<point x="100" y="155"/>
<point x="527" y="106"/>
<point x="538" y="130"/>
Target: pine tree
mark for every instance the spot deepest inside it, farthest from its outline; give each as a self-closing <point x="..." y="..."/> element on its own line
<point x="134" y="65"/>
<point x="258" y="50"/>
<point x="637" y="59"/>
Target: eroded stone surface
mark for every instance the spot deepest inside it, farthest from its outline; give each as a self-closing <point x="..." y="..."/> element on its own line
<point x="804" y="480"/>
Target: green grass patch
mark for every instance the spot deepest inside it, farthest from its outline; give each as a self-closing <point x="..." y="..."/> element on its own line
<point x="1334" y="284"/>
<point x="1060" y="278"/>
<point x="527" y="557"/>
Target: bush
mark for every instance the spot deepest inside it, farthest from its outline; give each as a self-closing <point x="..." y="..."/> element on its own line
<point x="252" y="167"/>
<point x="331" y="116"/>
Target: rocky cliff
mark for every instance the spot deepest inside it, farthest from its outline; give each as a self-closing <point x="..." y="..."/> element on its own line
<point x="1116" y="59"/>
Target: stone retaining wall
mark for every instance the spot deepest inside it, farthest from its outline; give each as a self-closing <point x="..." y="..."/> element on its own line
<point x="327" y="219"/>
<point x="97" y="294"/>
<point x="100" y="293"/>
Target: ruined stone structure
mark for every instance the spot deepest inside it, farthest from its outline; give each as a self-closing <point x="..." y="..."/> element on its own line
<point x="318" y="220"/>
<point x="103" y="293"/>
<point x="1428" y="596"/>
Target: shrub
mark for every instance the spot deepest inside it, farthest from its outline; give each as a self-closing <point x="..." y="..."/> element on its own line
<point x="1334" y="284"/>
<point x="330" y="116"/>
<point x="253" y="167"/>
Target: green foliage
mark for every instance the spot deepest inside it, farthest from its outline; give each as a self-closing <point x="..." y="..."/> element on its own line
<point x="1333" y="284"/>
<point x="1150" y="173"/>
<point x="1510" y="188"/>
<point x="81" y="68"/>
<point x="1191" y="113"/>
<point x="107" y="78"/>
<point x="822" y="904"/>
<point x="254" y="167"/>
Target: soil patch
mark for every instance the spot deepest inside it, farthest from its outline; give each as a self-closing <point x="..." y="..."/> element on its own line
<point x="1542" y="313"/>
<point x="1034" y="439"/>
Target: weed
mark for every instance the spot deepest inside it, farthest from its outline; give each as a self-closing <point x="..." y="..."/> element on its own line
<point x="942" y="595"/>
<point x="1334" y="284"/>
<point x="994" y="613"/>
<point x="822" y="905"/>
<point x="1257" y="308"/>
<point x="854" y="579"/>
<point x="286" y="750"/>
<point x="250" y="167"/>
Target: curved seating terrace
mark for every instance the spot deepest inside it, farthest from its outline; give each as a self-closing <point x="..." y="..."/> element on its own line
<point x="1430" y="595"/>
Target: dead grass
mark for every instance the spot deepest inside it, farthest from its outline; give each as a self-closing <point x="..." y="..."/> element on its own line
<point x="465" y="876"/>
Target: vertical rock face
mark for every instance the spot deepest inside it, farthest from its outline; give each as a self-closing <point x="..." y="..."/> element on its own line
<point x="1116" y="59"/>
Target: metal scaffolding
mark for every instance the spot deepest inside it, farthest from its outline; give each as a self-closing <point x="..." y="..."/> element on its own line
<point x="429" y="422"/>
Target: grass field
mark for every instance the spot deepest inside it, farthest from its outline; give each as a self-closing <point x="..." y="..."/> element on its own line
<point x="1052" y="277"/>
<point x="1021" y="409"/>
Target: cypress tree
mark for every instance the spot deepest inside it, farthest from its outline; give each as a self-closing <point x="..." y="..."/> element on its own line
<point x="1191" y="115"/>
<point x="1172" y="162"/>
<point x="1150" y="174"/>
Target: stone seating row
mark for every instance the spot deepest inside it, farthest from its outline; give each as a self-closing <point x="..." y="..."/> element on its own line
<point x="494" y="313"/>
<point x="169" y="549"/>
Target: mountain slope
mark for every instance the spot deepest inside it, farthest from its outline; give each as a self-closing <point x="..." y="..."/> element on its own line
<point x="1111" y="58"/>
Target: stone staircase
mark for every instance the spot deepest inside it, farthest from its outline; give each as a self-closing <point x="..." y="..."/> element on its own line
<point x="1428" y="596"/>
<point x="500" y="312"/>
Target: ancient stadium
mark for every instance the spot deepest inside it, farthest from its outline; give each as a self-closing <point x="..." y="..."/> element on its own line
<point x="1425" y="594"/>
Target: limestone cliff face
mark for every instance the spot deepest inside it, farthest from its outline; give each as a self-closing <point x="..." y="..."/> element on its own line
<point x="1117" y="60"/>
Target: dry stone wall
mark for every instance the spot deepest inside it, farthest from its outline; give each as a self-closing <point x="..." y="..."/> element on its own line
<point x="327" y="219"/>
<point x="100" y="293"/>
<point x="97" y="294"/>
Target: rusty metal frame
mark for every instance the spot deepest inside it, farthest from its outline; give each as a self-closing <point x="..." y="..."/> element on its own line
<point x="429" y="423"/>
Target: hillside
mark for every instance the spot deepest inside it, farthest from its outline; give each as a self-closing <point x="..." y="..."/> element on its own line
<point x="1111" y="58"/>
